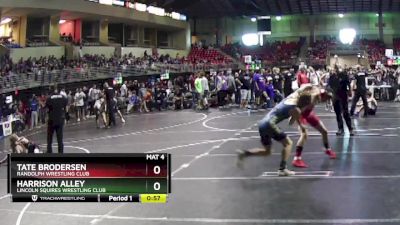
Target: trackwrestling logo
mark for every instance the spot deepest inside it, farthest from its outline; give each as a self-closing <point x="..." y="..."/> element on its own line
<point x="62" y="198"/>
<point x="34" y="198"/>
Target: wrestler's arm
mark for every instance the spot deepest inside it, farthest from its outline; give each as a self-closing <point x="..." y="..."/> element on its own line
<point x="295" y="117"/>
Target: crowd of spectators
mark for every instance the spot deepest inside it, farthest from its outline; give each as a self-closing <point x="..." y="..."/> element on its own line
<point x="272" y="53"/>
<point x="9" y="43"/>
<point x="375" y="49"/>
<point x="66" y="38"/>
<point x="317" y="52"/>
<point x="396" y="46"/>
<point x="48" y="69"/>
<point x="254" y="89"/>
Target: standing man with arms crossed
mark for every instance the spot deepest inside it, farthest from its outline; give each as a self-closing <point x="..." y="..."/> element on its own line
<point x="56" y="105"/>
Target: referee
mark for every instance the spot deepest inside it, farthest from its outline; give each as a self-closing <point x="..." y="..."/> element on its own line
<point x="56" y="105"/>
<point x="340" y="85"/>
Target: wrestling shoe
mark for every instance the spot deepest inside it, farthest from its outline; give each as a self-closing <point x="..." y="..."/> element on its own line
<point x="242" y="154"/>
<point x="330" y="153"/>
<point x="285" y="173"/>
<point x="352" y="133"/>
<point x="299" y="163"/>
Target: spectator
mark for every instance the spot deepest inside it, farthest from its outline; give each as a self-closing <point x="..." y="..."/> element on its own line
<point x="34" y="108"/>
<point x="134" y="102"/>
<point x="124" y="90"/>
<point x="79" y="103"/>
<point x="42" y="108"/>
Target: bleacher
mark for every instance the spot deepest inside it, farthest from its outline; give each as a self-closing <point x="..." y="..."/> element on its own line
<point x="206" y="55"/>
<point x="317" y="52"/>
<point x="279" y="52"/>
<point x="396" y="46"/>
<point x="375" y="49"/>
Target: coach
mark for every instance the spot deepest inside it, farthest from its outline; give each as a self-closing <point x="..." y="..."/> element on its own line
<point x="56" y="105"/>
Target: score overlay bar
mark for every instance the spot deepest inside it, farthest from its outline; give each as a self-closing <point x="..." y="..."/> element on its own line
<point x="89" y="177"/>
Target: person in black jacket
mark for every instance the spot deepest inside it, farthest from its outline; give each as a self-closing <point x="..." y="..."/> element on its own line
<point x="110" y="93"/>
<point x="56" y="105"/>
<point x="288" y="78"/>
<point x="360" y="91"/>
<point x="340" y="85"/>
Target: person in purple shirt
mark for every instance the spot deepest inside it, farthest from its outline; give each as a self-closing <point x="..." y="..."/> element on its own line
<point x="269" y="89"/>
<point x="259" y="81"/>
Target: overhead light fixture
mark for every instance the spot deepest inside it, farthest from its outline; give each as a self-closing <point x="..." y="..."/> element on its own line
<point x="347" y="35"/>
<point x="377" y="14"/>
<point x="341" y="15"/>
<point x="140" y="7"/>
<point x="253" y="19"/>
<point x="183" y="17"/>
<point x="106" y="2"/>
<point x="62" y="21"/>
<point x="250" y="39"/>
<point x="156" y="10"/>
<point x="5" y="20"/>
<point x="175" y="15"/>
<point x="278" y="18"/>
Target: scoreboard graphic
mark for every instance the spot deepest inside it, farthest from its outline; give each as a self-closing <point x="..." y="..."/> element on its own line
<point x="92" y="177"/>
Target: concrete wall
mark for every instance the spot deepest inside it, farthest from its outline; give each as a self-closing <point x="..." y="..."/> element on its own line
<point x="294" y="26"/>
<point x="181" y="39"/>
<point x="87" y="7"/>
<point x="19" y="30"/>
<point x="103" y="32"/>
<point x="54" y="29"/>
<point x="6" y="30"/>
<point x="138" y="51"/>
<point x="108" y="51"/>
<point x="18" y="53"/>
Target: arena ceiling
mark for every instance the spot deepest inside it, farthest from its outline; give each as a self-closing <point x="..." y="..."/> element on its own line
<point x="217" y="8"/>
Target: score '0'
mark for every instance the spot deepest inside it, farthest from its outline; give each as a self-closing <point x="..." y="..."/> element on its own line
<point x="156" y="170"/>
<point x="156" y="186"/>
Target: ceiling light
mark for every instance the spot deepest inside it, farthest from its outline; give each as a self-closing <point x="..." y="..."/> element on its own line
<point x="250" y="39"/>
<point x="5" y="20"/>
<point x="253" y="19"/>
<point x="279" y="18"/>
<point x="62" y="21"/>
<point x="140" y="7"/>
<point x="347" y="35"/>
<point x="341" y="15"/>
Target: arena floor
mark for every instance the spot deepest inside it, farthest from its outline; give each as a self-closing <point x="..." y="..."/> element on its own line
<point x="360" y="187"/>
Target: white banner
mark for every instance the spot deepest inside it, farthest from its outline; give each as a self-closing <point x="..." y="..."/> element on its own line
<point x="7" y="129"/>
